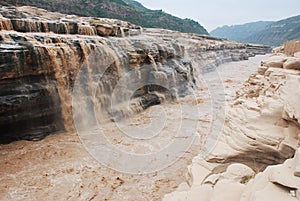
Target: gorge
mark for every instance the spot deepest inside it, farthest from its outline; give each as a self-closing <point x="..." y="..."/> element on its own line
<point x="61" y="75"/>
<point x="256" y="156"/>
<point x="40" y="60"/>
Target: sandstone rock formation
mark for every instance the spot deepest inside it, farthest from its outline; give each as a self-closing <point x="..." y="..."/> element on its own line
<point x="256" y="156"/>
<point x="41" y="54"/>
<point x="30" y="19"/>
<point x="290" y="48"/>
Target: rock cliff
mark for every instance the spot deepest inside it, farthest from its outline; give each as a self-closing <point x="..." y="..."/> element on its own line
<point x="261" y="131"/>
<point x="43" y="53"/>
<point x="128" y="10"/>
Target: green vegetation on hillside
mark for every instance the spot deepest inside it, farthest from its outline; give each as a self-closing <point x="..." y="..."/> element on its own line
<point x="127" y="10"/>
<point x="268" y="33"/>
<point x="279" y="32"/>
<point x="240" y="32"/>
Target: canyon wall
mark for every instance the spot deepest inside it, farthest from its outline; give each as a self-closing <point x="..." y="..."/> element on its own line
<point x="43" y="54"/>
<point x="256" y="155"/>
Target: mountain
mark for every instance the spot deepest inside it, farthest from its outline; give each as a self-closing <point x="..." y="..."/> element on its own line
<point x="240" y="32"/>
<point x="278" y="32"/>
<point x="128" y="10"/>
<point x="268" y="33"/>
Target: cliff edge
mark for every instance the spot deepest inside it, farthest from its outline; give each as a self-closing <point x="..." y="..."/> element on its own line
<point x="256" y="156"/>
<point x="42" y="53"/>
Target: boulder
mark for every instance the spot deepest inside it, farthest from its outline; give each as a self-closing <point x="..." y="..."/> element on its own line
<point x="275" y="61"/>
<point x="262" y="69"/>
<point x="104" y="29"/>
<point x="284" y="175"/>
<point x="238" y="173"/>
<point x="292" y="63"/>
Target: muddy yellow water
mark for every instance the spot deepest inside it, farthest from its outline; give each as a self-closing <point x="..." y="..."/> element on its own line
<point x="140" y="158"/>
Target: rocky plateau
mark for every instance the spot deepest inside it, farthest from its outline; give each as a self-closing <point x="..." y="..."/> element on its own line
<point x="256" y="156"/>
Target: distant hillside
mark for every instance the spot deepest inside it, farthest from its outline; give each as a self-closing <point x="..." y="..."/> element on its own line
<point x="277" y="33"/>
<point x="128" y="10"/>
<point x="268" y="33"/>
<point x="240" y="32"/>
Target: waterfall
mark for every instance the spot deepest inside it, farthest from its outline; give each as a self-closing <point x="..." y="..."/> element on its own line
<point x="5" y="24"/>
<point x="112" y="78"/>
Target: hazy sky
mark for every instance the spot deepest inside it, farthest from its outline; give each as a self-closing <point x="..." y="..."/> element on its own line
<point x="214" y="13"/>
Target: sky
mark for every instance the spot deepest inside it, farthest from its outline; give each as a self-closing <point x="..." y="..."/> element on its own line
<point x="214" y="13"/>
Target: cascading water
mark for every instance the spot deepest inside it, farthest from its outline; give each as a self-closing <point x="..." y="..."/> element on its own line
<point x="135" y="65"/>
<point x="58" y="59"/>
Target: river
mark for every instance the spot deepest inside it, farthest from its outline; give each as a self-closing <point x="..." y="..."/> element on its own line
<point x="141" y="158"/>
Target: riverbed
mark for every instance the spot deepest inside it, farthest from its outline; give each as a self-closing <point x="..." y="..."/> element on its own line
<point x="68" y="166"/>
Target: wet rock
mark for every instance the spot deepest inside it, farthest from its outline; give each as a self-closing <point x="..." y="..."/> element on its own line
<point x="26" y="25"/>
<point x="30" y="19"/>
<point x="48" y="51"/>
<point x="5" y="24"/>
<point x="88" y="30"/>
<point x="104" y="29"/>
<point x="135" y="106"/>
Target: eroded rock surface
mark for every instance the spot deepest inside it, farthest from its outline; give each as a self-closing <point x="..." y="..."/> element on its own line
<point x="31" y="19"/>
<point x="41" y="54"/>
<point x="59" y="166"/>
<point x="260" y="131"/>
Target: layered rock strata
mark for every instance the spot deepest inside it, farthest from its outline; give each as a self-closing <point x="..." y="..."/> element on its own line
<point x="260" y="131"/>
<point x="41" y="54"/>
<point x="30" y="19"/>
